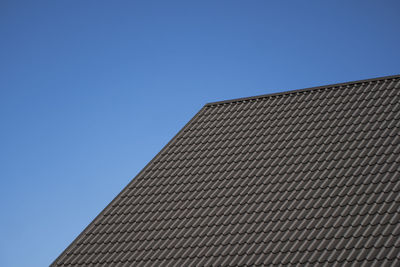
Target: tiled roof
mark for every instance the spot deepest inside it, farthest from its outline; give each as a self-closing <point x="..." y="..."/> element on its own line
<point x="302" y="177"/>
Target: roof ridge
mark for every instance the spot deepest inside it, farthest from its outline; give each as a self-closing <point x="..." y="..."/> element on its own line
<point x="308" y="89"/>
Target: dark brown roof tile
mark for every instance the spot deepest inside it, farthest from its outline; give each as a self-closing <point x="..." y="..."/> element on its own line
<point x="300" y="177"/>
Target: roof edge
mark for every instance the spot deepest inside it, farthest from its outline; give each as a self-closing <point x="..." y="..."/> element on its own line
<point x="302" y="90"/>
<point x="109" y="205"/>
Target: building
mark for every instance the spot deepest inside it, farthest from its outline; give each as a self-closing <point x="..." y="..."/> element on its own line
<point x="310" y="176"/>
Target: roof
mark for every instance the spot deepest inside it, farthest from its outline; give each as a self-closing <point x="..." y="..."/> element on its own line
<point x="310" y="176"/>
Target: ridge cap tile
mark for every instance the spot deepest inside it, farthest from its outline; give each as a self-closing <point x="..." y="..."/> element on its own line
<point x="305" y="90"/>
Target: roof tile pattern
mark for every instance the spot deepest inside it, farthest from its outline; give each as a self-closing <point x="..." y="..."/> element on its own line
<point x="303" y="177"/>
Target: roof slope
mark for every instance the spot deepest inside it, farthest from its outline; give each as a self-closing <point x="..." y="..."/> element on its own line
<point x="309" y="176"/>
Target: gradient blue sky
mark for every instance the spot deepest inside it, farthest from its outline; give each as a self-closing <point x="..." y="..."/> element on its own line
<point x="90" y="90"/>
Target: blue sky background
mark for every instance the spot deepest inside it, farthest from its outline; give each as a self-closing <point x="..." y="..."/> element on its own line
<point x="90" y="90"/>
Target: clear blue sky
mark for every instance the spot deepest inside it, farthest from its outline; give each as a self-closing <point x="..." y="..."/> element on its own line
<point x="91" y="90"/>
